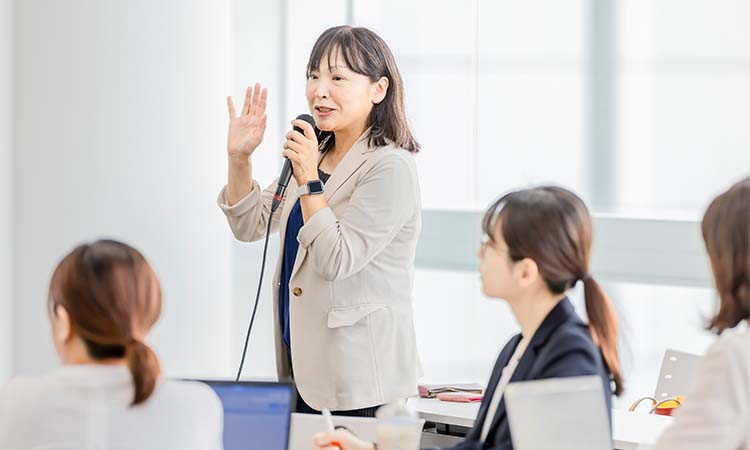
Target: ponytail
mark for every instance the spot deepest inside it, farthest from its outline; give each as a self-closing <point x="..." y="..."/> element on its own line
<point x="552" y="226"/>
<point x="144" y="367"/>
<point x="603" y="326"/>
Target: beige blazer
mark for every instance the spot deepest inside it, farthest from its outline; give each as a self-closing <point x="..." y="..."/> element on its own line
<point x="350" y="301"/>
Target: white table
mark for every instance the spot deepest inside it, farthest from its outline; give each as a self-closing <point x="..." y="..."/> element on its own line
<point x="630" y="431"/>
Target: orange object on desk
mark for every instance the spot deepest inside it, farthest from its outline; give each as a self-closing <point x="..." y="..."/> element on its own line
<point x="662" y="408"/>
<point x="666" y="407"/>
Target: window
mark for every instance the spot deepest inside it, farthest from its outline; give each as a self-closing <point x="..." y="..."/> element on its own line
<point x="637" y="105"/>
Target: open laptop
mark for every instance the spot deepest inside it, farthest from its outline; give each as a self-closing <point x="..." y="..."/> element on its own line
<point x="257" y="415"/>
<point x="561" y="414"/>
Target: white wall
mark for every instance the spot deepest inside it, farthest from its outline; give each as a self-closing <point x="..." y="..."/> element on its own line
<point x="120" y="131"/>
<point x="6" y="186"/>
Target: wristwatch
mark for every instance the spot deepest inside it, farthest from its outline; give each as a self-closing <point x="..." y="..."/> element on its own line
<point x="314" y="187"/>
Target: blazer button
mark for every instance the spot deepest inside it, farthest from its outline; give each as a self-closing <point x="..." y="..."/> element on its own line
<point x="297" y="292"/>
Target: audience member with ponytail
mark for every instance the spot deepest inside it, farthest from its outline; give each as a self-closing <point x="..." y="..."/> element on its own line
<point x="537" y="247"/>
<point x="103" y="300"/>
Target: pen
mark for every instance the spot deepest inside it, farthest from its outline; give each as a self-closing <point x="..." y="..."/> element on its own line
<point x="329" y="425"/>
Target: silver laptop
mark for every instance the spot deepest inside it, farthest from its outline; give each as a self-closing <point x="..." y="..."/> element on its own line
<point x="561" y="414"/>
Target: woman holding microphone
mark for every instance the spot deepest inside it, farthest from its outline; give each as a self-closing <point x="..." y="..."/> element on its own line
<point x="349" y="227"/>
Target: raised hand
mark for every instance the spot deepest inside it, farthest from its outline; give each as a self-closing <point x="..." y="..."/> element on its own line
<point x="246" y="130"/>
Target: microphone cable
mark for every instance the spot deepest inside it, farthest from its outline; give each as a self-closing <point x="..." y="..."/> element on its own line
<point x="257" y="295"/>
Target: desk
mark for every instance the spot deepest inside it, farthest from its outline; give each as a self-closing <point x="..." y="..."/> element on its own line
<point x="630" y="431"/>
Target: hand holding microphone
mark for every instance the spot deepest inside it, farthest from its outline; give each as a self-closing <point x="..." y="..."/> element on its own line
<point x="301" y="148"/>
<point x="301" y="156"/>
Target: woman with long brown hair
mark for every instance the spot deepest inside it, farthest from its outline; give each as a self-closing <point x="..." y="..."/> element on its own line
<point x="537" y="247"/>
<point x="716" y="413"/>
<point x="104" y="298"/>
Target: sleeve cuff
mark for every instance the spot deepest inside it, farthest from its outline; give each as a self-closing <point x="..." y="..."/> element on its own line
<point x="242" y="206"/>
<point x="317" y="224"/>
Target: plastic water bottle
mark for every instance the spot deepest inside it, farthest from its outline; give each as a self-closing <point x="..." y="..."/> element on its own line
<point x="399" y="427"/>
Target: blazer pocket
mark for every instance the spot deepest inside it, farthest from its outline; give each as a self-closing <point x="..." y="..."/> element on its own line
<point x="349" y="315"/>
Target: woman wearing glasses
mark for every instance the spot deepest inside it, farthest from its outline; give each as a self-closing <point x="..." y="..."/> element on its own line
<point x="537" y="247"/>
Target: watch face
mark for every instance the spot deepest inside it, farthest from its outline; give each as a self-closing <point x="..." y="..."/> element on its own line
<point x="316" y="187"/>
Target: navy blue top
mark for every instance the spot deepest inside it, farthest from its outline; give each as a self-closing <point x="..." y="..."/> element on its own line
<point x="291" y="245"/>
<point x="561" y="347"/>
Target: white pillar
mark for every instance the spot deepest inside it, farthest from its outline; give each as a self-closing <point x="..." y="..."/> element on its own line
<point x="6" y="188"/>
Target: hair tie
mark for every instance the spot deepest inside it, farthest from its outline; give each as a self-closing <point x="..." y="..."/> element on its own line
<point x="586" y="277"/>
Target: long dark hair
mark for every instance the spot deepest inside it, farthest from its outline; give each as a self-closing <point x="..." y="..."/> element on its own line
<point x="113" y="297"/>
<point x="366" y="53"/>
<point x="726" y="232"/>
<point x="552" y="226"/>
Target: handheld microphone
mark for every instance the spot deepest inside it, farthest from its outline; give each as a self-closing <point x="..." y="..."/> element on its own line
<point x="286" y="169"/>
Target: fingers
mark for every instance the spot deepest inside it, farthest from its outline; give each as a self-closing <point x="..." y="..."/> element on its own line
<point x="297" y="137"/>
<point x="306" y="127"/>
<point x="246" y="105"/>
<point x="293" y="157"/>
<point x="260" y="99"/>
<point x="254" y="103"/>
<point x="296" y="147"/>
<point x="230" y="107"/>
<point x="263" y="99"/>
<point x="339" y="440"/>
<point x="323" y="441"/>
<point x="256" y="99"/>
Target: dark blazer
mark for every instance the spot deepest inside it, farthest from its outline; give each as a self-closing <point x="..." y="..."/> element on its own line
<point x="561" y="347"/>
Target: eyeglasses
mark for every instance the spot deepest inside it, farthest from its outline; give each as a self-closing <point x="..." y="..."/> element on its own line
<point x="486" y="242"/>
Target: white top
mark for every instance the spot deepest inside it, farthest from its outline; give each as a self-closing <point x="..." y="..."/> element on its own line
<point x="87" y="407"/>
<point x="716" y="412"/>
<point x="502" y="384"/>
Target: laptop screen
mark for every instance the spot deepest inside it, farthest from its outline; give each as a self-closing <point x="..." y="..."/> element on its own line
<point x="256" y="415"/>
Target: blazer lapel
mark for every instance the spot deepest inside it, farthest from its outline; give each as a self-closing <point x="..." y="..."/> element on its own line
<point x="353" y="160"/>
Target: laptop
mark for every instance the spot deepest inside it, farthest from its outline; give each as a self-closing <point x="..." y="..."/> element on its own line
<point x="257" y="415"/>
<point x="561" y="414"/>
